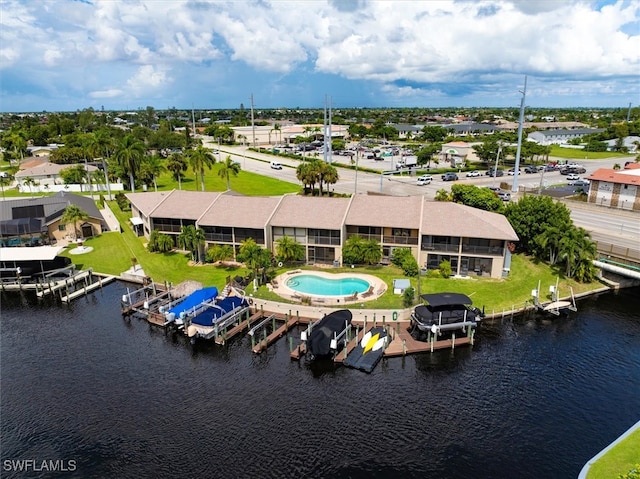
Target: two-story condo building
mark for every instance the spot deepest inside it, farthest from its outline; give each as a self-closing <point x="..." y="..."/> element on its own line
<point x="472" y="240"/>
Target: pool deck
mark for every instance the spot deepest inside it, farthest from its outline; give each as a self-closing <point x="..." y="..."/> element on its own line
<point x="279" y="286"/>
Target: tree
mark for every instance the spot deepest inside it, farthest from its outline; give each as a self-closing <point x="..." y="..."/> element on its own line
<point x="73" y="175"/>
<point x="434" y="134"/>
<point x="531" y="215"/>
<point x="371" y="252"/>
<point x="177" y="165"/>
<point x="150" y="168"/>
<point x="307" y="174"/>
<point x="481" y="198"/>
<point x="288" y="250"/>
<point x="487" y="151"/>
<point x="191" y="239"/>
<point x="198" y="159"/>
<point x="128" y="155"/>
<point x="227" y="169"/>
<point x="219" y="252"/>
<point x="4" y="182"/>
<point x="29" y="182"/>
<point x="159" y="242"/>
<point x="255" y="257"/>
<point x="443" y="195"/>
<point x="426" y="153"/>
<point x="578" y="252"/>
<point x="72" y="214"/>
<point x="352" y="250"/>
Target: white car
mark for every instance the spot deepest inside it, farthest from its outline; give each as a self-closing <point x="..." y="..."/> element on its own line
<point x="424" y="180"/>
<point x="573" y="177"/>
<point x="473" y="174"/>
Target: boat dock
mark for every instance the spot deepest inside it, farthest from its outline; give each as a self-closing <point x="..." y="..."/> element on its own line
<point x="67" y="288"/>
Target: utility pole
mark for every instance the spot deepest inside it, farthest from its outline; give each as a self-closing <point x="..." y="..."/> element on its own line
<point x="514" y="186"/>
<point x="324" y="131"/>
<point x="330" y="152"/>
<point x="253" y="125"/>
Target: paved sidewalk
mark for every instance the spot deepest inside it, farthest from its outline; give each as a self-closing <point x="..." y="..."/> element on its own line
<point x="110" y="219"/>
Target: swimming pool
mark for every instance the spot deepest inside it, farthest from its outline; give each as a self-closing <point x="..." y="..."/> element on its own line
<point x="321" y="286"/>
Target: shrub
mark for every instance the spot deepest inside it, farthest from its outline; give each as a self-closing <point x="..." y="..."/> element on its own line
<point x="123" y="202"/>
<point x="219" y="253"/>
<point x="408" y="297"/>
<point x="445" y="269"/>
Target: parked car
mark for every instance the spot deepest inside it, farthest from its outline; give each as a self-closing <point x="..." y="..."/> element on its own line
<point x="495" y="173"/>
<point x="424" y="180"/>
<point x="495" y="189"/>
<point x="473" y="174"/>
<point x="573" y="177"/>
<point x="504" y="195"/>
<point x="512" y="171"/>
<point x="531" y="169"/>
<point x="580" y="182"/>
<point x="567" y="170"/>
<point x="449" y="177"/>
<point x="551" y="167"/>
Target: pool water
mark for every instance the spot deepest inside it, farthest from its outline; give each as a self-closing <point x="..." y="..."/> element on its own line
<point x="320" y="286"/>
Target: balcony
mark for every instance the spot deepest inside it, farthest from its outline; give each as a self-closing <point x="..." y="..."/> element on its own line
<point x="449" y="248"/>
<point x="365" y="236"/>
<point x="408" y="240"/>
<point x="324" y="240"/>
<point x="163" y="228"/>
<point x="218" y="237"/>
<point x="490" y="250"/>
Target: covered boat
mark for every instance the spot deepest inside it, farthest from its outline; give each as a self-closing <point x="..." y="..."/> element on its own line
<point x="177" y="311"/>
<point x="445" y="312"/>
<point x="323" y="339"/>
<point x="213" y="317"/>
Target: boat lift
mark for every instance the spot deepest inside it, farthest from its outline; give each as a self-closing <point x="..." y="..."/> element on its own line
<point x="556" y="306"/>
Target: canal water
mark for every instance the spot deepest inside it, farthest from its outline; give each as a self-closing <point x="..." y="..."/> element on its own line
<point x="111" y="397"/>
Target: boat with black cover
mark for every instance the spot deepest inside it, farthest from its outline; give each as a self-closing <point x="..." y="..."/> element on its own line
<point x="445" y="312"/>
<point x="326" y="334"/>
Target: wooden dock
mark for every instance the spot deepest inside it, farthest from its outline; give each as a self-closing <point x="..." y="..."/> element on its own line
<point x="246" y="324"/>
<point x="403" y="343"/>
<point x="277" y="334"/>
<point x="87" y="288"/>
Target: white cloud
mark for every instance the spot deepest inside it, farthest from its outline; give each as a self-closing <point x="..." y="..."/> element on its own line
<point x="112" y="93"/>
<point x="146" y="78"/>
<point x="406" y="48"/>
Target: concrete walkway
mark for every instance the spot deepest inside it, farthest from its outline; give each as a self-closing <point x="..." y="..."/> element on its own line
<point x="110" y="219"/>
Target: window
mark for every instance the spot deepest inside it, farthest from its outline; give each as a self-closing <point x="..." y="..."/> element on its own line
<point x="62" y="227"/>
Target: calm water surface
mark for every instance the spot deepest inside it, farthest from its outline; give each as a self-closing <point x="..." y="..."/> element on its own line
<point x="532" y="399"/>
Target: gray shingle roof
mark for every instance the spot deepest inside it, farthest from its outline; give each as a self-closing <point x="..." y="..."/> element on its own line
<point x="389" y="211"/>
<point x="311" y="212"/>
<point x="240" y="211"/>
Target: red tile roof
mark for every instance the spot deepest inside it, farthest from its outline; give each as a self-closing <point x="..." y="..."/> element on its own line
<point x="627" y="177"/>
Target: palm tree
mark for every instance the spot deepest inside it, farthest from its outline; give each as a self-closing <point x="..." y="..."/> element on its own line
<point x="198" y="159"/>
<point x="129" y="155"/>
<point x="576" y="247"/>
<point x="186" y="238"/>
<point x="255" y="257"/>
<point x="306" y="173"/>
<point x="289" y="249"/>
<point x="176" y="165"/>
<point x="152" y="166"/>
<point x="278" y="128"/>
<point x="371" y="252"/>
<point x="28" y="181"/>
<point x="227" y="169"/>
<point x="327" y="174"/>
<point x="4" y="181"/>
<point x="549" y="241"/>
<point x="72" y="214"/>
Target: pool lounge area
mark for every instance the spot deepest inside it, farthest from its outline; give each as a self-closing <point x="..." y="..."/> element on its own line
<point x="317" y="287"/>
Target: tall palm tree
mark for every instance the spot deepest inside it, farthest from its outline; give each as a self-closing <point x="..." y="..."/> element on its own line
<point x="101" y="145"/>
<point x="278" y="128"/>
<point x="549" y="242"/>
<point x="4" y="181"/>
<point x="30" y="182"/>
<point x="198" y="159"/>
<point x="176" y="164"/>
<point x="152" y="166"/>
<point x="227" y="169"/>
<point x="307" y="174"/>
<point x="72" y="214"/>
<point x="129" y="154"/>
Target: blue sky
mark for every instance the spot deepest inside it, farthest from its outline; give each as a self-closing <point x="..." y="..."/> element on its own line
<point x="64" y="55"/>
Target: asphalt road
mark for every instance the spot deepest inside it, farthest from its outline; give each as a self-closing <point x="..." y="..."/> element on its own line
<point x="608" y="226"/>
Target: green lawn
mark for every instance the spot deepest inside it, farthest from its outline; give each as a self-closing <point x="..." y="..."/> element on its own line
<point x="575" y="154"/>
<point x="112" y="253"/>
<point x="247" y="183"/>
<point x="620" y="459"/>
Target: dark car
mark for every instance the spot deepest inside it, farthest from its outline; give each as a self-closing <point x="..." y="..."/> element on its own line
<point x="495" y="173"/>
<point x="569" y="170"/>
<point x="551" y="167"/>
<point x="531" y="169"/>
<point x="449" y="177"/>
